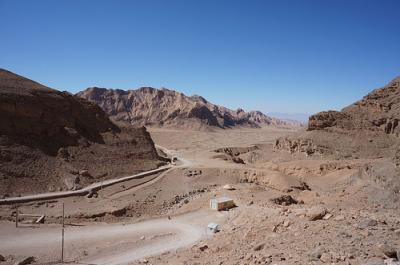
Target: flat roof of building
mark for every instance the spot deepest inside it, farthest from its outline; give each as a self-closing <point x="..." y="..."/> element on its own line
<point x="221" y="199"/>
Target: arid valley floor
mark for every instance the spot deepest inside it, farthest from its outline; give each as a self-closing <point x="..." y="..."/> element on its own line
<point x="328" y="211"/>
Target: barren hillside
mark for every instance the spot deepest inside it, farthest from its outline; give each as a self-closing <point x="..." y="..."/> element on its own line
<point x="377" y="111"/>
<point x="366" y="129"/>
<point x="167" y="108"/>
<point x="51" y="140"/>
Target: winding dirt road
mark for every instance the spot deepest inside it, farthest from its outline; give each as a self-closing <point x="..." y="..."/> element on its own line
<point x="109" y="244"/>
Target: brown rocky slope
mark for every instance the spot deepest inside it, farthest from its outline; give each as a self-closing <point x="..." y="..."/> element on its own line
<point x="167" y="108"/>
<point x="378" y="111"/>
<point x="367" y="128"/>
<point x="52" y="140"/>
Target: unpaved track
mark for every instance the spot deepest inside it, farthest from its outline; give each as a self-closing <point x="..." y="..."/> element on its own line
<point x="81" y="192"/>
<point x="108" y="244"/>
<point x="97" y="185"/>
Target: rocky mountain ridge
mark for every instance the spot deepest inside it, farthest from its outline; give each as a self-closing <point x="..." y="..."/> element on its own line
<point x="149" y="106"/>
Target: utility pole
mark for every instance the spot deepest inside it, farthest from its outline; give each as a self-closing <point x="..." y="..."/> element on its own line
<point x="16" y="218"/>
<point x="62" y="235"/>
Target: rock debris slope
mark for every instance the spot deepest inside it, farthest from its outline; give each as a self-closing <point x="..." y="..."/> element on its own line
<point x="367" y="128"/>
<point x="52" y="140"/>
<point x="377" y="111"/>
<point x="167" y="108"/>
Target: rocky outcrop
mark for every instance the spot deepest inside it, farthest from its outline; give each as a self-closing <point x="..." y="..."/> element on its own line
<point x="46" y="118"/>
<point x="47" y="137"/>
<point x="378" y="111"/>
<point x="167" y="108"/>
<point x="299" y="145"/>
<point x="327" y="119"/>
<point x="368" y="128"/>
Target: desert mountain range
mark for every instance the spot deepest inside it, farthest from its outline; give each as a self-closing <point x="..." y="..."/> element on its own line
<point x="149" y="106"/>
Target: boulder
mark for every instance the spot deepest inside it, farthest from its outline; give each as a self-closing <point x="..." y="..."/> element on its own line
<point x="367" y="223"/>
<point x="316" y="253"/>
<point x="203" y="247"/>
<point x="85" y="173"/>
<point x="284" y="200"/>
<point x="316" y="213"/>
<point x="228" y="187"/>
<point x="387" y="250"/>
<point x="259" y="247"/>
<point x="25" y="261"/>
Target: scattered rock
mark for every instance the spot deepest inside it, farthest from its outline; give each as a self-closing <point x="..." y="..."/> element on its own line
<point x="228" y="187"/>
<point x="387" y="250"/>
<point x="119" y="212"/>
<point x="327" y="216"/>
<point x="2" y="258"/>
<point x="85" y="173"/>
<point x="325" y="257"/>
<point x="367" y="223"/>
<point x="286" y="223"/>
<point x="203" y="247"/>
<point x="316" y="213"/>
<point x="302" y="186"/>
<point x="25" y="261"/>
<point x="316" y="254"/>
<point x="284" y="200"/>
<point x="259" y="247"/>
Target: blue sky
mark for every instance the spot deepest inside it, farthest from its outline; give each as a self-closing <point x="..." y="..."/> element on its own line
<point x="275" y="56"/>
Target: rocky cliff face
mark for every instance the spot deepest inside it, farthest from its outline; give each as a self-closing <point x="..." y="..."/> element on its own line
<point x="367" y="128"/>
<point x="48" y="136"/>
<point x="163" y="107"/>
<point x="47" y="118"/>
<point x="378" y="111"/>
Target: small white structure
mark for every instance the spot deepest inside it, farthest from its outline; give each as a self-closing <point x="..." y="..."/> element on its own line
<point x="213" y="228"/>
<point x="222" y="203"/>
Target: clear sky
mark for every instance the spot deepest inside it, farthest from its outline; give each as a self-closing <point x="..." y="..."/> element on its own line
<point x="276" y="56"/>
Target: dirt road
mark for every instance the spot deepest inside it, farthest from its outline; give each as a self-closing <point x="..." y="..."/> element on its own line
<point x="111" y="243"/>
<point x="81" y="192"/>
<point x="98" y="185"/>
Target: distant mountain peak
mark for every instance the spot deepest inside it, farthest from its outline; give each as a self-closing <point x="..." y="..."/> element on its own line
<point x="168" y="108"/>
